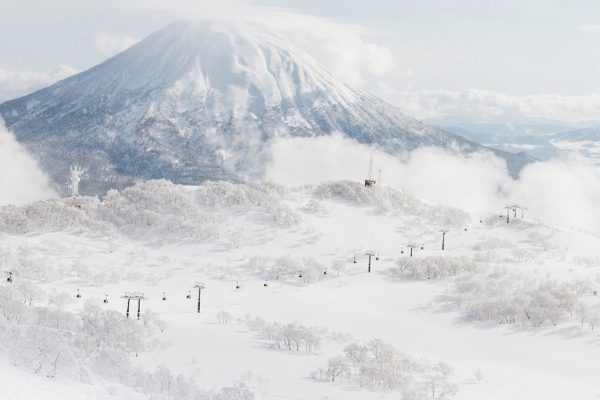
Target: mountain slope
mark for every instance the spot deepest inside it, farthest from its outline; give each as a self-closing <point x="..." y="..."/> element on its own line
<point x="200" y="100"/>
<point x="585" y="142"/>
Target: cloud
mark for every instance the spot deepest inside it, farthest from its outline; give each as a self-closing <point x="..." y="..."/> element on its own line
<point x="349" y="50"/>
<point x="562" y="192"/>
<point x="108" y="45"/>
<point x="434" y="174"/>
<point x="21" y="179"/>
<point x="345" y="49"/>
<point x="14" y="84"/>
<point x="476" y="105"/>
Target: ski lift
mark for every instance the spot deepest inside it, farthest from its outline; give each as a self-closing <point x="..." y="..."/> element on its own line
<point x="189" y="295"/>
<point x="78" y="294"/>
<point x="9" y="279"/>
<point x="105" y="301"/>
<point x="164" y="296"/>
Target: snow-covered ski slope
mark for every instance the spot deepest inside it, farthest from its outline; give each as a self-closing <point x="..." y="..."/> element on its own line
<point x="513" y="301"/>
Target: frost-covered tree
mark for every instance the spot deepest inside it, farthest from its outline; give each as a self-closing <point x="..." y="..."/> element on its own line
<point x="378" y="365"/>
<point x="155" y="207"/>
<point x="390" y="200"/>
<point x="435" y="267"/>
<point x="55" y="343"/>
<point x="224" y="318"/>
<point x="292" y="336"/>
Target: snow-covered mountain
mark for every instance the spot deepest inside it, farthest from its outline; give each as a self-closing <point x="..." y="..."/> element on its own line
<point x="199" y="100"/>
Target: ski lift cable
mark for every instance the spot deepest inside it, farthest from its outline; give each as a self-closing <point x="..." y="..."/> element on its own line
<point x="115" y="293"/>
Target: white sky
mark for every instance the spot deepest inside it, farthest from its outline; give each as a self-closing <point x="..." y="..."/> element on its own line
<point x="402" y="50"/>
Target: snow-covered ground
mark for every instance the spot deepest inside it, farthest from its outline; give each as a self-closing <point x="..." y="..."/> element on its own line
<point x="442" y="306"/>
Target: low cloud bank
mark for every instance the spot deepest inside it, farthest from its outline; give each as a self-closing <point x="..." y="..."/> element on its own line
<point x="21" y="180"/>
<point x="15" y="84"/>
<point x="498" y="107"/>
<point x="561" y="191"/>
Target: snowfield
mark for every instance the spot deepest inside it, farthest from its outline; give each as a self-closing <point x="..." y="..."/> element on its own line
<point x="288" y="309"/>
